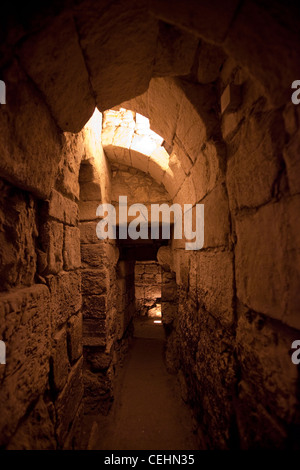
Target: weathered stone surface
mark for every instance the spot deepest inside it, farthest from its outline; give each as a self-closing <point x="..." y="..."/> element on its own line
<point x="107" y="28"/>
<point x="68" y="169"/>
<point x="47" y="56"/>
<point x="97" y="385"/>
<point x="216" y="218"/>
<point x="30" y="144"/>
<point x="292" y="160"/>
<point x="59" y="360"/>
<point x="36" y="432"/>
<point x="88" y="233"/>
<point x="74" y="438"/>
<point x="165" y="257"/>
<point x="17" y="237"/>
<point x="163" y="98"/>
<point x="97" y="255"/>
<point x="272" y="57"/>
<point x="267" y="261"/>
<point x="62" y="209"/>
<point x="197" y="119"/>
<point x="25" y="324"/>
<point x="205" y="20"/>
<point x="206" y="170"/>
<point x="215" y="285"/>
<point x="175" y="51"/>
<point x="68" y="402"/>
<point x="65" y="289"/>
<point x="52" y="240"/>
<point x="269" y="380"/>
<point x="74" y="335"/>
<point x="210" y="60"/>
<point x="94" y="281"/>
<point x="87" y="210"/>
<point x="71" y="252"/>
<point x="261" y="138"/>
<point x="94" y="306"/>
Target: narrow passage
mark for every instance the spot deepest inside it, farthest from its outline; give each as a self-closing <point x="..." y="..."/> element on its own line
<point x="148" y="413"/>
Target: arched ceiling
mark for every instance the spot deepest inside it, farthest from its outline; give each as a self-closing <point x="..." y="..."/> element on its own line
<point x="85" y="53"/>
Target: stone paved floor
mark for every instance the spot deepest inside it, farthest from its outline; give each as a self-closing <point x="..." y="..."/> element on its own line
<point x="148" y="413"/>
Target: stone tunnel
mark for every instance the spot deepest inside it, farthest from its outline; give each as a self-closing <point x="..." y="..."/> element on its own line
<point x="164" y="102"/>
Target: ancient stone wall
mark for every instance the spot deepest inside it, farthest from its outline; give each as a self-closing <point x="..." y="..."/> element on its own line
<point x="148" y="285"/>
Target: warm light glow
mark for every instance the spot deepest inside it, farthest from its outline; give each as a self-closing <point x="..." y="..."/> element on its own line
<point x="157" y="321"/>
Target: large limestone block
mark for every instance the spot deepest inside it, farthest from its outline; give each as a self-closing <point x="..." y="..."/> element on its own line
<point x="37" y="431"/>
<point x="25" y="325"/>
<point x="65" y="291"/>
<point x="175" y="51"/>
<point x="54" y="60"/>
<point x="68" y="402"/>
<point x="30" y="143"/>
<point x="206" y="169"/>
<point x="215" y="284"/>
<point x="71" y="252"/>
<point x="67" y="181"/>
<point x="210" y="60"/>
<point x="74" y="335"/>
<point x="272" y="55"/>
<point x="62" y="208"/>
<point x="291" y="156"/>
<point x="59" y="359"/>
<point x="17" y="237"/>
<point x="268" y="374"/>
<point x="163" y="99"/>
<point x="209" y="20"/>
<point x="267" y="261"/>
<point x="94" y="281"/>
<point x="216" y="218"/>
<point x="261" y="141"/>
<point x="126" y="35"/>
<point x="52" y="241"/>
<point x="197" y="119"/>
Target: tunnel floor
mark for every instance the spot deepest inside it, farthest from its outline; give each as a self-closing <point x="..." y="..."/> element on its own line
<point x="148" y="412"/>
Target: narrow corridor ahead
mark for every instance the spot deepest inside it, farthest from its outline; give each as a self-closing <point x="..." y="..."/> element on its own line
<point x="148" y="413"/>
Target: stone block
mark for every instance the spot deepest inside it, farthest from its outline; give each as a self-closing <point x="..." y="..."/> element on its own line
<point x="106" y="29"/>
<point x="68" y="401"/>
<point x="231" y="98"/>
<point x="261" y="142"/>
<point x="36" y="432"/>
<point x="71" y="252"/>
<point x="267" y="372"/>
<point x="291" y="156"/>
<point x="74" y="335"/>
<point x="62" y="208"/>
<point x="52" y="240"/>
<point x="216" y="218"/>
<point x="175" y="51"/>
<point x="87" y="210"/>
<point x="23" y="112"/>
<point x="94" y="281"/>
<point x="210" y="60"/>
<point x="267" y="260"/>
<point x="59" y="359"/>
<point x="206" y="170"/>
<point x="94" y="306"/>
<point x="17" y="237"/>
<point x="25" y="318"/>
<point x="65" y="289"/>
<point x="215" y="284"/>
<point x="46" y="56"/>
